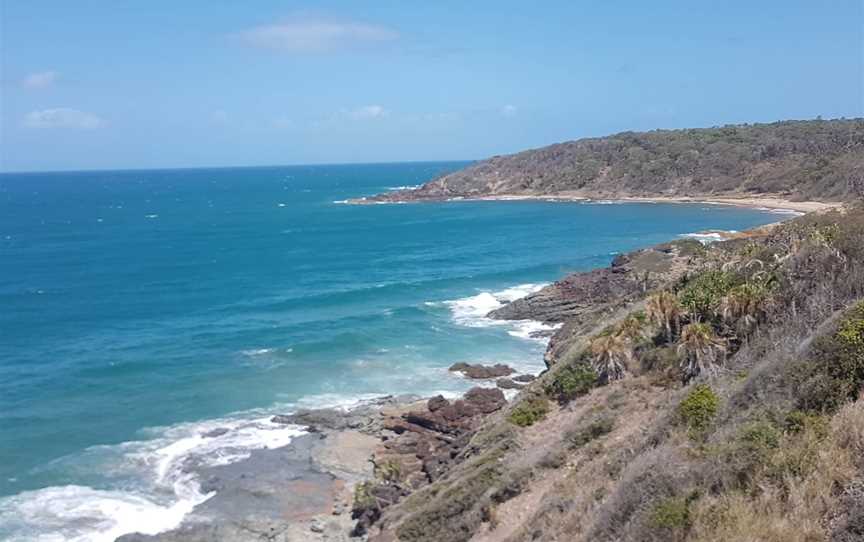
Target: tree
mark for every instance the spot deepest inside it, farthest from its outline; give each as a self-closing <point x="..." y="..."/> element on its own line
<point x="745" y="306"/>
<point x="700" y="348"/>
<point x="664" y="311"/>
<point x="632" y="328"/>
<point x="610" y="355"/>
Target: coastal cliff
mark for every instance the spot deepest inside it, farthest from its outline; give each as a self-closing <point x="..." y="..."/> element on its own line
<point x="792" y="160"/>
<point x="694" y="393"/>
<point x="705" y="392"/>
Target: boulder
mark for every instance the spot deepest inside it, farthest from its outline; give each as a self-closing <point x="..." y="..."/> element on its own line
<point x="507" y="384"/>
<point x="482" y="371"/>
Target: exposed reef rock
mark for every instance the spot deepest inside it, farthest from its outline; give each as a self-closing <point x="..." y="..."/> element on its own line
<point x="480" y="372"/>
<point x="579" y="300"/>
<point x="766" y="444"/>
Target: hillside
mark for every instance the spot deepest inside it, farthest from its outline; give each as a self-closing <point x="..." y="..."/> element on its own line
<point x="693" y="393"/>
<point x="795" y="160"/>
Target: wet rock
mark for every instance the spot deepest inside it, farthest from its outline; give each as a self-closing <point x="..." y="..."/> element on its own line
<point x="482" y="371"/>
<point x="524" y="378"/>
<point x="437" y="403"/>
<point x="320" y="419"/>
<point x="486" y="400"/>
<point x="507" y="384"/>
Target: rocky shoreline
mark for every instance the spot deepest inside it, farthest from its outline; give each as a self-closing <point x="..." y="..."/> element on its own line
<point x="331" y="483"/>
<point x="334" y="482"/>
<point x="773" y="202"/>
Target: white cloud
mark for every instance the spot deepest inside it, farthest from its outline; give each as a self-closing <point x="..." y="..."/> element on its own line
<point x="40" y="79"/>
<point x="62" y="117"/>
<point x="509" y="110"/>
<point x="316" y="36"/>
<point x="367" y="112"/>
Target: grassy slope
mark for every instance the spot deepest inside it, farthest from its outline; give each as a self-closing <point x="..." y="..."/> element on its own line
<point x="771" y="447"/>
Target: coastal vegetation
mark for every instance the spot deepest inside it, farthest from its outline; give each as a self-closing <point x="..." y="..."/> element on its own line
<point x="797" y="160"/>
<point x="720" y="403"/>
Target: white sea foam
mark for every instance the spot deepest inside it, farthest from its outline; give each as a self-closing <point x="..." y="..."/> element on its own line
<point x="705" y="238"/>
<point x="791" y="212"/>
<point x="532" y="329"/>
<point x="257" y="351"/>
<point x="83" y="514"/>
<point x="164" y="491"/>
<point x="406" y="187"/>
<point x="473" y="311"/>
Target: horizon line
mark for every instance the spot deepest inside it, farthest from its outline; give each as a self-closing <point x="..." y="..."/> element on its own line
<point x="264" y="166"/>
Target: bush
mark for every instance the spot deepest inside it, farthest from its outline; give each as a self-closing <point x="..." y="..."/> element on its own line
<point x="701" y="295"/>
<point x="595" y="429"/>
<point x="671" y="513"/>
<point x="835" y="374"/>
<point x="529" y="411"/>
<point x="698" y="409"/>
<point x="571" y="381"/>
<point x="363" y="498"/>
<point x="760" y="437"/>
<point x="798" y="421"/>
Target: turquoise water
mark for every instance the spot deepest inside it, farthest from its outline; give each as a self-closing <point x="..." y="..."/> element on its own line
<point x="140" y="308"/>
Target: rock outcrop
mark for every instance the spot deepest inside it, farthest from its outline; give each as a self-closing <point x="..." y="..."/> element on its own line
<point x="480" y="372"/>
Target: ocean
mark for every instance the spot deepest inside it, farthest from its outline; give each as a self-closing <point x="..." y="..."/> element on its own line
<point x="140" y="310"/>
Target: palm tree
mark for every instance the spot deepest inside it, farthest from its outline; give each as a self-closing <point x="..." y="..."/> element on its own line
<point x="632" y="328"/>
<point x="664" y="311"/>
<point x="610" y="356"/>
<point x="700" y="348"/>
<point x="747" y="305"/>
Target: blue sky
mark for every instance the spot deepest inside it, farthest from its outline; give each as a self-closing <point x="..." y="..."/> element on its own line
<point x="142" y="84"/>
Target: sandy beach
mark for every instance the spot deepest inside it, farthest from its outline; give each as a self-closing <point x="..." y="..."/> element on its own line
<point x="759" y="202"/>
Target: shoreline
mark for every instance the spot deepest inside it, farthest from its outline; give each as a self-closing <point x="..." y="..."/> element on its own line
<point x="331" y="481"/>
<point x="765" y="201"/>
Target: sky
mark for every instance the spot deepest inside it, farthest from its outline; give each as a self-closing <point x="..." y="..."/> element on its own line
<point x="121" y="84"/>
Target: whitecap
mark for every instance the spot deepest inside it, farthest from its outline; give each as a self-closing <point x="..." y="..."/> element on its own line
<point x="165" y="487"/>
<point x="473" y="311"/>
<point x="257" y="351"/>
<point x="532" y="330"/>
<point x="705" y="238"/>
<point x="151" y="216"/>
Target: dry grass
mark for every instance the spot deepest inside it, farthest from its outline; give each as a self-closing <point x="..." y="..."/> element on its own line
<point x="797" y="507"/>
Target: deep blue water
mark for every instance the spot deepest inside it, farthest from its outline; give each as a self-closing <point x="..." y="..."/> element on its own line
<point x="142" y="307"/>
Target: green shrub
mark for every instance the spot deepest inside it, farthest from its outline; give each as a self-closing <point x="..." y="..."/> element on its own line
<point x="529" y="411"/>
<point x="671" y="513"/>
<point x="571" y="381"/>
<point x="690" y="247"/>
<point x="835" y="372"/>
<point x="702" y="294"/>
<point x="760" y="437"/>
<point x="595" y="429"/>
<point x="698" y="409"/>
<point x="388" y="471"/>
<point x="798" y="421"/>
<point x="363" y="498"/>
